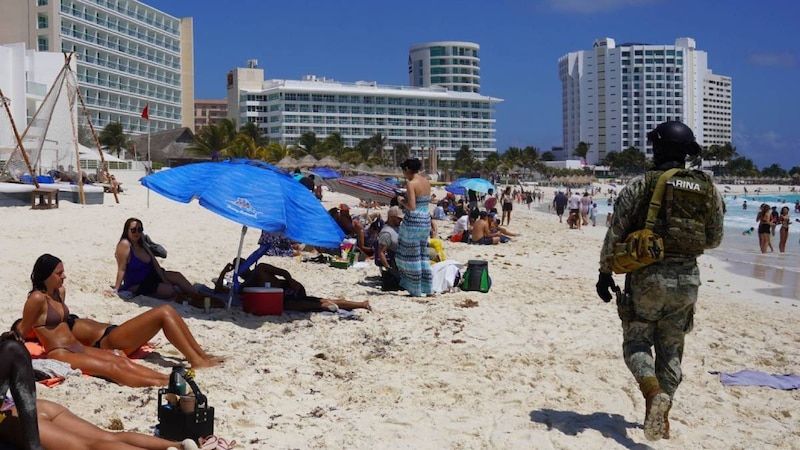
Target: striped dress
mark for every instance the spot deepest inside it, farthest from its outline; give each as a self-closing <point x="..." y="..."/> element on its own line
<point x="412" y="250"/>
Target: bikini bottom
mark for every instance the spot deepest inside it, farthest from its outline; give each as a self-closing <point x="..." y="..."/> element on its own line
<point x="109" y="329"/>
<point x="77" y="347"/>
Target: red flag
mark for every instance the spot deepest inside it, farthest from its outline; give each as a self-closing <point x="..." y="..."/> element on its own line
<point x="146" y="111"/>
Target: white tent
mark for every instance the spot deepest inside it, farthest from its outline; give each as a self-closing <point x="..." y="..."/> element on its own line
<point x="94" y="155"/>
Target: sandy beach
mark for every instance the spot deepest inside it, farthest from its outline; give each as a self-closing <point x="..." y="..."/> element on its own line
<point x="534" y="363"/>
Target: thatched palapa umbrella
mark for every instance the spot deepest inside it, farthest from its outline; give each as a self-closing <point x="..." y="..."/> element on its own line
<point x="329" y="161"/>
<point x="287" y="163"/>
<point x="307" y="162"/>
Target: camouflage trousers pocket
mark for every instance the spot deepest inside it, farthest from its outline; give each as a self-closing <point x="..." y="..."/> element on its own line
<point x="625" y="308"/>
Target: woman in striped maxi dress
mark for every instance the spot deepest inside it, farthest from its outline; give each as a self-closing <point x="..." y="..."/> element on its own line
<point x="412" y="250"/>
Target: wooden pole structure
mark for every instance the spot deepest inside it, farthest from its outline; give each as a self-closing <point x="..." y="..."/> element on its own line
<point x="97" y="144"/>
<point x="5" y="101"/>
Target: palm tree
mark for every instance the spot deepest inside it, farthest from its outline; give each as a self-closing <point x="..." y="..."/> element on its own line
<point x="332" y="145"/>
<point x="276" y="151"/>
<point x="244" y="146"/>
<point x="214" y="138"/>
<point x="581" y="150"/>
<point x="308" y="142"/>
<point x="113" y="138"/>
<point x="255" y="132"/>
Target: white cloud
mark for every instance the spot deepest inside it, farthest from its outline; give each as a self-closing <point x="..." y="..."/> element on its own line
<point x="773" y="59"/>
<point x="594" y="6"/>
<point x="764" y="148"/>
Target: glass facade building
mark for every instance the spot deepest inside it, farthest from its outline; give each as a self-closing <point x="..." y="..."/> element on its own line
<point x="418" y="117"/>
<point x="451" y="64"/>
<point x="129" y="55"/>
<point x="613" y="95"/>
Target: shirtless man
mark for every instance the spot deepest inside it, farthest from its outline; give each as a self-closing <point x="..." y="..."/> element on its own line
<point x="481" y="234"/>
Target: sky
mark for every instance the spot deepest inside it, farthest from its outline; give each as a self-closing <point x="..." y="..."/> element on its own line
<point x="756" y="43"/>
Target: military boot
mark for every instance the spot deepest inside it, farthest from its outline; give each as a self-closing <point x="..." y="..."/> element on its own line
<point x="658" y="403"/>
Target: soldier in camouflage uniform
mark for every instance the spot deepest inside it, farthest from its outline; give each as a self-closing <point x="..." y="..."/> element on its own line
<point x="657" y="308"/>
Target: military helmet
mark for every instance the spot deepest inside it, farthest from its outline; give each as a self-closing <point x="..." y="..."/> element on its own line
<point x="674" y="134"/>
<point x="672" y="141"/>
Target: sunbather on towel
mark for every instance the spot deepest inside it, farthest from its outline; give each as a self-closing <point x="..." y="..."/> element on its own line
<point x="32" y="424"/>
<point x="130" y="335"/>
<point x="294" y="294"/>
<point x="46" y="313"/>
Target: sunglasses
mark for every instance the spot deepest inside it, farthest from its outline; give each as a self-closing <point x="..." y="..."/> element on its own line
<point x="135" y="229"/>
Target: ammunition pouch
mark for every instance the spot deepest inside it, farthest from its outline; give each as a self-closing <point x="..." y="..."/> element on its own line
<point x="640" y="249"/>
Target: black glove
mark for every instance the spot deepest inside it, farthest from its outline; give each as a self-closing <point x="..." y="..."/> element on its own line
<point x="604" y="285"/>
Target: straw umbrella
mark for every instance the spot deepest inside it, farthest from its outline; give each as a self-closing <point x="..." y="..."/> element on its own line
<point x="287" y="162"/>
<point x="308" y="161"/>
<point x="329" y="161"/>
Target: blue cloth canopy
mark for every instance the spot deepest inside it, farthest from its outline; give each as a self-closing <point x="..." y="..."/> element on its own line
<point x="461" y="185"/>
<point x="251" y="193"/>
<point x="325" y="172"/>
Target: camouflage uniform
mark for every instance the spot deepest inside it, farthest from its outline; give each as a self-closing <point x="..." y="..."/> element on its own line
<point x="660" y="309"/>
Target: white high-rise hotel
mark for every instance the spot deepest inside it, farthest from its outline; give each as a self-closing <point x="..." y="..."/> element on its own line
<point x="613" y="95"/>
<point x="441" y="109"/>
<point x="129" y="55"/>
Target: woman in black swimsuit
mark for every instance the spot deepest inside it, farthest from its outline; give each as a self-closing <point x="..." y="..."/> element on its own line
<point x="46" y="314"/>
<point x="133" y="333"/>
<point x="764" y="228"/>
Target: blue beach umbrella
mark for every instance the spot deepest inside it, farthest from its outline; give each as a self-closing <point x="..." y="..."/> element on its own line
<point x="461" y="185"/>
<point x="253" y="194"/>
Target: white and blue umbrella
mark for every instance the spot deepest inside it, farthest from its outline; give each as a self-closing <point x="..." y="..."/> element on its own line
<point x="253" y="194"/>
<point x="461" y="185"/>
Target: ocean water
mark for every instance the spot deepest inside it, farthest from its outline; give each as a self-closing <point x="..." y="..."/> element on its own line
<point x="738" y="218"/>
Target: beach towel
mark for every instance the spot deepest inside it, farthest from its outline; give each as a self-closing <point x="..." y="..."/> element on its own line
<point x="445" y="275"/>
<point x="38" y="356"/>
<point x="755" y="378"/>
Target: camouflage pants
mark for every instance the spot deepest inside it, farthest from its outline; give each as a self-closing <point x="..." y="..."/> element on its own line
<point x="663" y="300"/>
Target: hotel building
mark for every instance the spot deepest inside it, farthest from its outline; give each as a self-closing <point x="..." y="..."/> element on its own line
<point x="129" y="55"/>
<point x="209" y="112"/>
<point x="25" y="77"/>
<point x="612" y="95"/>
<point x="420" y="117"/>
<point x="451" y="64"/>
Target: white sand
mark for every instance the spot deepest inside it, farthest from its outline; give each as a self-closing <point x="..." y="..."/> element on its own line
<point x="537" y="364"/>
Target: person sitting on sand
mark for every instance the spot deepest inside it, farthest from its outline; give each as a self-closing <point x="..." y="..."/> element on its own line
<point x="294" y="293"/>
<point x="134" y="333"/>
<point x="138" y="271"/>
<point x="481" y="233"/>
<point x="33" y="424"/>
<point x="46" y="313"/>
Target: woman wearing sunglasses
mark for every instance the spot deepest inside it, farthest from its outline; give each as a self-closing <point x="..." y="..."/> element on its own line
<point x="138" y="270"/>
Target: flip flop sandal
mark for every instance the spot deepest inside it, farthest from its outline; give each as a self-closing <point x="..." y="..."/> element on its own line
<point x="213" y="442"/>
<point x="209" y="442"/>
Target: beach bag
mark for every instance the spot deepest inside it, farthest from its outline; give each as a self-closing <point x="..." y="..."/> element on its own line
<point x="183" y="410"/>
<point x="476" y="276"/>
<point x="643" y="247"/>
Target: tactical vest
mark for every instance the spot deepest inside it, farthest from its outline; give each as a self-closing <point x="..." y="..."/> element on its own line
<point x="685" y="210"/>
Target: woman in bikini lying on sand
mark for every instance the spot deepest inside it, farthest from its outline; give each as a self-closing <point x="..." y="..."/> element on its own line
<point x="32" y="424"/>
<point x="46" y="314"/>
<point x="134" y="333"/>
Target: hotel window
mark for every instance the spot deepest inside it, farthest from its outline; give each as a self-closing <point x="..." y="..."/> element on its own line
<point x="41" y="21"/>
<point x="43" y="44"/>
<point x="42" y="3"/>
